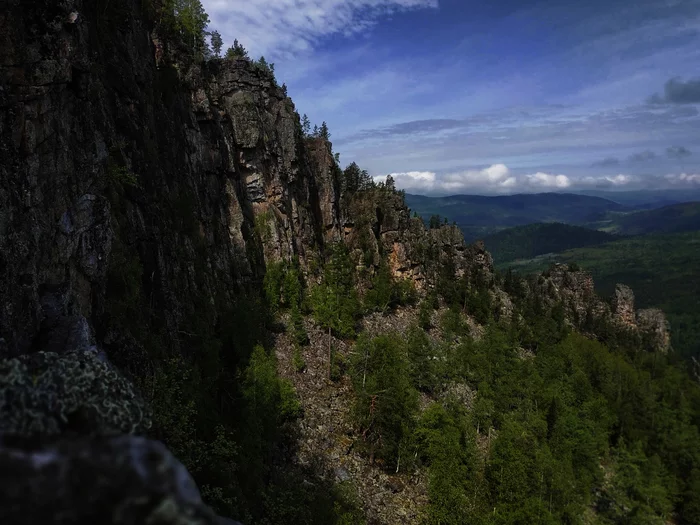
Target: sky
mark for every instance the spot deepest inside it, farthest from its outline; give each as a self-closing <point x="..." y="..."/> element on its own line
<point x="507" y="96"/>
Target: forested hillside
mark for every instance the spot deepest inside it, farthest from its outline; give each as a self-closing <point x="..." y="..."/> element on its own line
<point x="204" y="316"/>
<point x="676" y="218"/>
<point x="526" y="242"/>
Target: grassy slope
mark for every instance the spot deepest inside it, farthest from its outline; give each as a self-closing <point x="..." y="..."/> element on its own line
<point x="662" y="269"/>
<point x="525" y="242"/>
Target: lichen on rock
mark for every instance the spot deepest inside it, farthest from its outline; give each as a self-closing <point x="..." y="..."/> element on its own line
<point x="47" y="394"/>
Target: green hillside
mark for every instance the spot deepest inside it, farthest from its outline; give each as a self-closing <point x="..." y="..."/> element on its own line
<point x="525" y="242"/>
<point x="662" y="269"/>
<point x="675" y="218"/>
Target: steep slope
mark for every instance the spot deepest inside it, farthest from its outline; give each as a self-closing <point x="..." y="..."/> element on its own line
<point x="526" y="242"/>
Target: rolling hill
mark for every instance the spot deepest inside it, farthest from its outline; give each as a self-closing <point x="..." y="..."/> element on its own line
<point x="525" y="242"/>
<point x="676" y="218"/>
<point x="479" y="216"/>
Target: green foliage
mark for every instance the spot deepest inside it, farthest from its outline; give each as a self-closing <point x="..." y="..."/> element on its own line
<point x="298" y="361"/>
<point x="425" y="311"/>
<point x="334" y="302"/>
<point x="217" y="43"/>
<point x="526" y="242"/>
<point x="305" y="125"/>
<point x="338" y="364"/>
<point x="185" y="20"/>
<point x="386" y="402"/>
<point x="265" y="66"/>
<point x="421" y="364"/>
<point x="385" y="292"/>
<point x="446" y="446"/>
<point x="236" y="51"/>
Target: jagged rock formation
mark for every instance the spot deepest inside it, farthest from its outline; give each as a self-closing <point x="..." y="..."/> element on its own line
<point x="574" y="290"/>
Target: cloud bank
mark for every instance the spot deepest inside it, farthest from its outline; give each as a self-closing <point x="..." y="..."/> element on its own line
<point x="499" y="179"/>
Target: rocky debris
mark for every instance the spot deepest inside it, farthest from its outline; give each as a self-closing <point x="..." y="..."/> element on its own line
<point x="461" y="393"/>
<point x="119" y="480"/>
<point x="326" y="435"/>
<point x="46" y="394"/>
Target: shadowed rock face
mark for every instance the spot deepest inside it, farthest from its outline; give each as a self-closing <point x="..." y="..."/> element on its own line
<point x="120" y="480"/>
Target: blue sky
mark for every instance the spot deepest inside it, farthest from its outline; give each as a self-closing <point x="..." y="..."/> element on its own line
<point x="460" y="96"/>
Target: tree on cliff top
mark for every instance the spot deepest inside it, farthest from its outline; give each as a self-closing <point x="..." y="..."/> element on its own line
<point x="236" y="51"/>
<point x="216" y="43"/>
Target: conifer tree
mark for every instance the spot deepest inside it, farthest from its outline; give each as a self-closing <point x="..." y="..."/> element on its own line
<point x="216" y="43"/>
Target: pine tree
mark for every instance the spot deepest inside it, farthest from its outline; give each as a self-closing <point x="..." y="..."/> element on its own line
<point x="216" y="43"/>
<point x="323" y="132"/>
<point x="305" y="125"/>
<point x="236" y="51"/>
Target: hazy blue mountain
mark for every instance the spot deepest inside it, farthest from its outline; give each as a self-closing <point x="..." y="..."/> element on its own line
<point x="479" y="216"/>
<point x="646" y="198"/>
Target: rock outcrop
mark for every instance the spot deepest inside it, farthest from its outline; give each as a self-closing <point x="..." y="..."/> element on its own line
<point x="574" y="290"/>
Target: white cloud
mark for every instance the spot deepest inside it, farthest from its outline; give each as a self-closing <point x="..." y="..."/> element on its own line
<point x="545" y="180"/>
<point x="283" y="28"/>
<point x="608" y="180"/>
<point x="683" y="179"/>
<point x="498" y="178"/>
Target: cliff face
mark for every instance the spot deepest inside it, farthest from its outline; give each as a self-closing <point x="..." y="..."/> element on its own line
<point x="113" y="159"/>
<point x="200" y="180"/>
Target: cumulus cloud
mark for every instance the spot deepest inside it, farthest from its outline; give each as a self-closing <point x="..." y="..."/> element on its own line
<point x="676" y="91"/>
<point x="498" y="178"/>
<point x="546" y="180"/>
<point x="644" y="156"/>
<point x="684" y="179"/>
<point x="678" y="152"/>
<point x="288" y="27"/>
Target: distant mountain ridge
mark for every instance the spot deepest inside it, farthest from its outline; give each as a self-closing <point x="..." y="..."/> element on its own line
<point x="675" y="218"/>
<point x="480" y="216"/>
